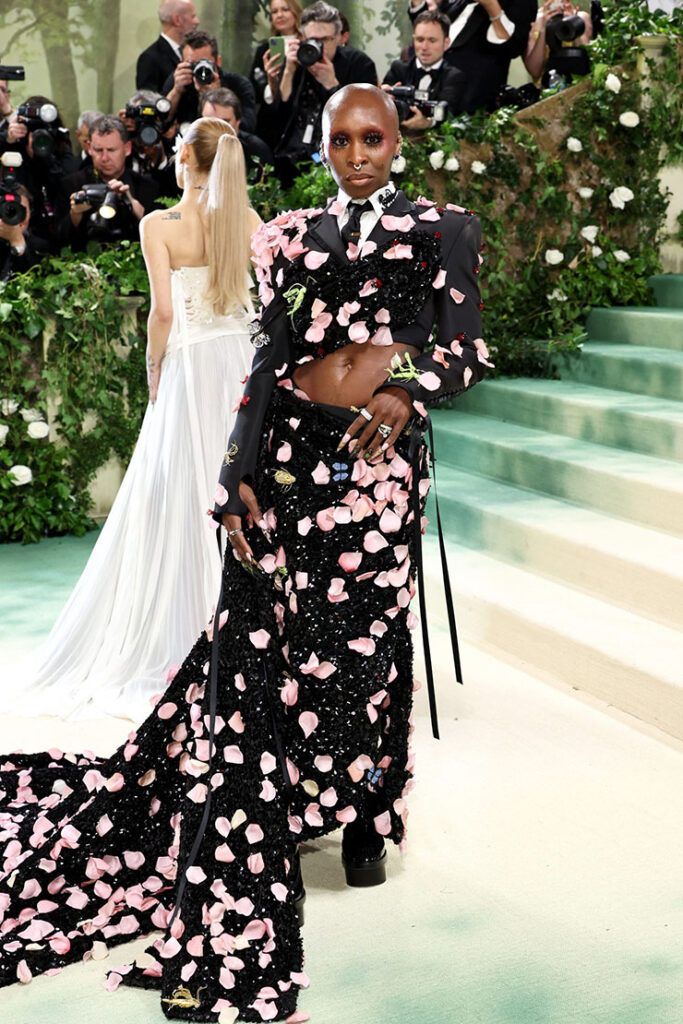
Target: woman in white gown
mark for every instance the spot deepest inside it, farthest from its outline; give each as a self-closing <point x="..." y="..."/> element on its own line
<point x="153" y="576"/>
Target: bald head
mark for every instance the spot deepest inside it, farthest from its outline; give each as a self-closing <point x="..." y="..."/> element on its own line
<point x="177" y="17"/>
<point x="362" y="97"/>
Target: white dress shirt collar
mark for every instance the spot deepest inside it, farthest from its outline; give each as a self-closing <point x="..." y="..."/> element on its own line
<point x="432" y="67"/>
<point x="379" y="200"/>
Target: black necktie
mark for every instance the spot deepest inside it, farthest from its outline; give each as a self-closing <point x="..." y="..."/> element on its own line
<point x="351" y="230"/>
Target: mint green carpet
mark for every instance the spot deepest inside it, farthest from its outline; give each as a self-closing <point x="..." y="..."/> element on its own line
<point x="543" y="882"/>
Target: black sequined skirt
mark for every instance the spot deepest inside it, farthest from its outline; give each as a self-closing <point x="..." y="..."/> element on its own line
<point x="309" y="708"/>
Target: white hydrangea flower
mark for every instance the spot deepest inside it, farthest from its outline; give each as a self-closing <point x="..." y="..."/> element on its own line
<point x="398" y="165"/>
<point x="597" y="251"/>
<point x="553" y="257"/>
<point x="478" y="167"/>
<point x="38" y="429"/>
<point x="557" y="296"/>
<point x="629" y="119"/>
<point x="452" y="164"/>
<point x="585" y="193"/>
<point x="4" y="431"/>
<point x="590" y="232"/>
<point x="437" y="158"/>
<point x="574" y="145"/>
<point x="612" y="83"/>
<point x="619" y="196"/>
<point x="20" y="475"/>
<point x="621" y="256"/>
<point x="8" y="406"/>
<point x="30" y="415"/>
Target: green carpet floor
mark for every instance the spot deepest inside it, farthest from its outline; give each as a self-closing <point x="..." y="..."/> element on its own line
<point x="543" y="882"/>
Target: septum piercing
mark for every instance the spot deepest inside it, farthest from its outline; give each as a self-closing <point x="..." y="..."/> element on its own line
<point x="357" y="167"/>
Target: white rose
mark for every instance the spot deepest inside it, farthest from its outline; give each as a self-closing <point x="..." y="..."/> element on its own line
<point x="619" y="196"/>
<point x="4" y="431"/>
<point x="452" y="164"/>
<point x="612" y="83"/>
<point x="8" y="406"/>
<point x="585" y="193"/>
<point x="437" y="158"/>
<point x="30" y="415"/>
<point x="20" y="475"/>
<point x="629" y="119"/>
<point x="553" y="257"/>
<point x="574" y="145"/>
<point x="597" y="251"/>
<point x="557" y="296"/>
<point x="38" y="429"/>
<point x="590" y="232"/>
<point x="398" y="165"/>
<point x="621" y="256"/>
<point x="478" y="167"/>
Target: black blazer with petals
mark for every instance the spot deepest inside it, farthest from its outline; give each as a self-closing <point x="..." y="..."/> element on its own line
<point x="452" y="305"/>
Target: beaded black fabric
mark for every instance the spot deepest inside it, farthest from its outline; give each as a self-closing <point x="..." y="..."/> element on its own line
<point x="399" y="285"/>
<point x="315" y="656"/>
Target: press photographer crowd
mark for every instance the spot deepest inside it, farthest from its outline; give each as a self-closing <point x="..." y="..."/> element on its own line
<point x="53" y="195"/>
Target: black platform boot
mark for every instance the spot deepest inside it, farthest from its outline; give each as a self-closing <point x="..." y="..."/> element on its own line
<point x="296" y="883"/>
<point x="363" y="854"/>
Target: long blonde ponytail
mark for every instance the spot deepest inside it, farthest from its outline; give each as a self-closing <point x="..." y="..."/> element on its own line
<point x="218" y="151"/>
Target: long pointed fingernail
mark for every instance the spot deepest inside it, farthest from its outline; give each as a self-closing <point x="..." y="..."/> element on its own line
<point x="353" y="445"/>
<point x="343" y="441"/>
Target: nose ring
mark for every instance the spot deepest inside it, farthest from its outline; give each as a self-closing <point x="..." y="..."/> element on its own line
<point x="357" y="167"/>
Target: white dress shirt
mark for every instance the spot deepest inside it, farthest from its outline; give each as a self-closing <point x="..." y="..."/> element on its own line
<point x="369" y="218"/>
<point x="426" y="80"/>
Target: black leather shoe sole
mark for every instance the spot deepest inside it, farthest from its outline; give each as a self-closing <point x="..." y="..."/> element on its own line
<point x="363" y="874"/>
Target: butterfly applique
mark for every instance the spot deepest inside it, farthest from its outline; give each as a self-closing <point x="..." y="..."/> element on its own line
<point x="340" y="471"/>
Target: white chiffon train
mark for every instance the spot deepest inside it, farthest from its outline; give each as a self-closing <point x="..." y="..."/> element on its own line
<point x="152" y="579"/>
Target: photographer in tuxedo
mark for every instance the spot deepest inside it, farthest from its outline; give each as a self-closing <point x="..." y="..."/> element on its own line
<point x="428" y="71"/>
<point x="485" y="35"/>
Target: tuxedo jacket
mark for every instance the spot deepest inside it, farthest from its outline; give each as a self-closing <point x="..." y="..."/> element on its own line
<point x="428" y="259"/>
<point x="155" y="65"/>
<point x="448" y="83"/>
<point x="142" y="188"/>
<point x="486" y="65"/>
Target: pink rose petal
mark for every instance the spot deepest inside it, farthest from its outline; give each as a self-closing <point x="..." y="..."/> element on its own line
<point x="430" y="381"/>
<point x="374" y="541"/>
<point x="308" y="721"/>
<point x="363" y="645"/>
<point x="321" y="474"/>
<point x="350" y="560"/>
<point x="457" y="296"/>
<point x="260" y="639"/>
<point x="313" y="260"/>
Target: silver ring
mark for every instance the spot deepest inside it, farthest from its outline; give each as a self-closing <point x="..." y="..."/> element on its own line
<point x="365" y="414"/>
<point x="357" y="167"/>
<point x="231" y="533"/>
<point x="385" y="430"/>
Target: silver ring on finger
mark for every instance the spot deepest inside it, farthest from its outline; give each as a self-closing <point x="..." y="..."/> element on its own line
<point x="231" y="533"/>
<point x="385" y="430"/>
<point x="365" y="414"/>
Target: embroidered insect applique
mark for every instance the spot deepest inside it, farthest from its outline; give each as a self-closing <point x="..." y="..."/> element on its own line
<point x="340" y="471"/>
<point x="229" y="456"/>
<point x="285" y="479"/>
<point x="373" y="775"/>
<point x="183" y="998"/>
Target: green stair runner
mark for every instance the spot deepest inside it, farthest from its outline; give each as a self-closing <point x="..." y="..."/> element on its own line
<point x="563" y="506"/>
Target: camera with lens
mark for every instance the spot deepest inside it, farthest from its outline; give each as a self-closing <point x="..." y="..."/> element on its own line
<point x="518" y="96"/>
<point x="203" y="71"/>
<point x="565" y="58"/>
<point x="150" y="120"/>
<point x="310" y="52"/>
<point x="12" y="210"/>
<point x="104" y="202"/>
<point x="40" y="121"/>
<point x="407" y="96"/>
